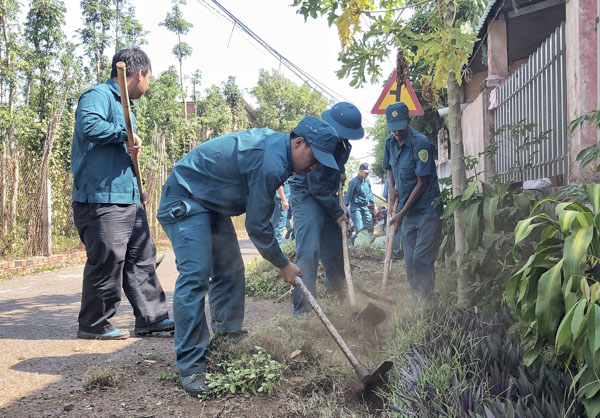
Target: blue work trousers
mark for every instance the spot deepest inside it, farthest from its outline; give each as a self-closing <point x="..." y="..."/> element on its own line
<point x="205" y="245"/>
<point x="421" y="238"/>
<point x="317" y="237"/>
<point x="120" y="254"/>
<point x="361" y="218"/>
<point x="278" y="220"/>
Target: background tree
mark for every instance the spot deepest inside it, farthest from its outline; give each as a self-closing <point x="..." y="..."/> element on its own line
<point x="175" y="23"/>
<point x="282" y="104"/>
<point x="371" y="30"/>
<point x="97" y="17"/>
<point x="9" y="165"/>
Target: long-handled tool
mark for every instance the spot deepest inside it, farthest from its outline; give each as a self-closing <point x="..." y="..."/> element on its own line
<point x="388" y="252"/>
<point x="122" y="78"/>
<point x="369" y="380"/>
<point x="372" y="313"/>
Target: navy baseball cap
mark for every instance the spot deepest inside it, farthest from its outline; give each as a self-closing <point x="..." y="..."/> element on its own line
<point x="321" y="137"/>
<point x="396" y="116"/>
<point x="345" y="119"/>
<point x="365" y="167"/>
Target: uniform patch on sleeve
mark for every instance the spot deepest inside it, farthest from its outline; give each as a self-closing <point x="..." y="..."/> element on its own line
<point x="423" y="155"/>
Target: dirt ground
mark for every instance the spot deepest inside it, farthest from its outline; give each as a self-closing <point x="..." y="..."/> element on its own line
<point x="43" y="365"/>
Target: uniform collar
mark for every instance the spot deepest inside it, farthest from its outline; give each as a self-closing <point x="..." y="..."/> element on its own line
<point x="114" y="87"/>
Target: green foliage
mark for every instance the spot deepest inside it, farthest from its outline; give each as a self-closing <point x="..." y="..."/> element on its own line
<point x="167" y="375"/>
<point x="371" y="30"/>
<point x="459" y="364"/>
<point x="590" y="154"/>
<point x="246" y="376"/>
<point x="490" y="213"/>
<point x="264" y="280"/>
<point x="557" y="289"/>
<point x="282" y="104"/>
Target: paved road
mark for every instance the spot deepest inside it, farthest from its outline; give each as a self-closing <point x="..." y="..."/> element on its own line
<point x="38" y="324"/>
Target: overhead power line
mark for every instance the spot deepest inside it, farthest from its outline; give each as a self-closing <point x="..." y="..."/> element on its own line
<point x="310" y="81"/>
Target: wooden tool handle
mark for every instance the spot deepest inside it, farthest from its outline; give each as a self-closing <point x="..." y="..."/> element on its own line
<point x="122" y="79"/>
<point x="347" y="269"/>
<point x="360" y="370"/>
<point x="388" y="252"/>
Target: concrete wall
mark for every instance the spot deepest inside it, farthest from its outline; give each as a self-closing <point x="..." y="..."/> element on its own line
<point x="472" y="127"/>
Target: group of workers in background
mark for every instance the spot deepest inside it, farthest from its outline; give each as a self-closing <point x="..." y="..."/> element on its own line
<point x="258" y="172"/>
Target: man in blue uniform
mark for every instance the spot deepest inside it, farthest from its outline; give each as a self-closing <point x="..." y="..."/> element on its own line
<point x="227" y="176"/>
<point x="317" y="211"/>
<point x="108" y="214"/>
<point x="359" y="197"/>
<point x="412" y="176"/>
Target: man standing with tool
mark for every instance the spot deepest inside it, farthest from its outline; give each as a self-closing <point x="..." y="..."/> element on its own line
<point x="228" y="176"/>
<point x="109" y="217"/>
<point x="359" y="197"/>
<point x="280" y="214"/>
<point x="412" y="177"/>
<point x="317" y="211"/>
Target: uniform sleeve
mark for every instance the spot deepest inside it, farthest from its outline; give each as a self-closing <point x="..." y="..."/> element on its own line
<point x="424" y="162"/>
<point x="261" y="188"/>
<point x="341" y="155"/>
<point x="350" y="192"/>
<point x="91" y="122"/>
<point x="370" y="197"/>
<point x="385" y="188"/>
<point x="322" y="185"/>
<point x="386" y="157"/>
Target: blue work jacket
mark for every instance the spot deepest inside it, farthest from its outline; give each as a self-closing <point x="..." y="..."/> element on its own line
<point x="414" y="158"/>
<point x="359" y="193"/>
<point x="240" y="173"/>
<point x="102" y="169"/>
<point x="323" y="183"/>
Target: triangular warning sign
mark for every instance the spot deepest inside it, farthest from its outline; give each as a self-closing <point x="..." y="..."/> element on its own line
<point x="390" y="94"/>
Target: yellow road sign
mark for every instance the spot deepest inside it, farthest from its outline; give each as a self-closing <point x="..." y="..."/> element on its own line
<point x="391" y="94"/>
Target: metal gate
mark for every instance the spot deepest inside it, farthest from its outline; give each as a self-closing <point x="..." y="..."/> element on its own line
<point x="531" y="116"/>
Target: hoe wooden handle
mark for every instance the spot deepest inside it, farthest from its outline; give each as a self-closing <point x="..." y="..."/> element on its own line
<point x="347" y="269"/>
<point x="122" y="78"/>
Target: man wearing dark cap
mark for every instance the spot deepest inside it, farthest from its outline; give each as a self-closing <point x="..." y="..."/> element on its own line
<point x="317" y="211"/>
<point x="412" y="177"/>
<point x="227" y="176"/>
<point x="359" y="197"/>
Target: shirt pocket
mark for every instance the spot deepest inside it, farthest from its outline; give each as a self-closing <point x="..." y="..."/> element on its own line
<point x="407" y="171"/>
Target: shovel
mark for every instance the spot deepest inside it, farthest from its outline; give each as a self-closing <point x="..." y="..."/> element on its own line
<point x="369" y="380"/>
<point x="372" y="314"/>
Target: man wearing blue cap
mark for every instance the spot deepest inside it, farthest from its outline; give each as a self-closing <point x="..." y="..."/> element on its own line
<point x="359" y="197"/>
<point x="227" y="176"/>
<point x="317" y="211"/>
<point x="412" y="176"/>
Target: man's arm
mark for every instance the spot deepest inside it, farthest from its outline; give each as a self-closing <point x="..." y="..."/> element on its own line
<point x="284" y="202"/>
<point x="322" y="185"/>
<point x="262" y="187"/>
<point x="413" y="198"/>
<point x="350" y="192"/>
<point x="392" y="195"/>
<point x="91" y="121"/>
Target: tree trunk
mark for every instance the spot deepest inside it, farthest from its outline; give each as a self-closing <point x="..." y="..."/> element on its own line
<point x="459" y="183"/>
<point x="40" y="234"/>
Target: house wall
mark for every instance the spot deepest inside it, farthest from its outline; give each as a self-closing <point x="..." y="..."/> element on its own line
<point x="582" y="70"/>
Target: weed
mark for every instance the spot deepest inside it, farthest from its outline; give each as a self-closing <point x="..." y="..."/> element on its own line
<point x="100" y="376"/>
<point x="250" y="374"/>
<point x="263" y="279"/>
<point x="167" y="375"/>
